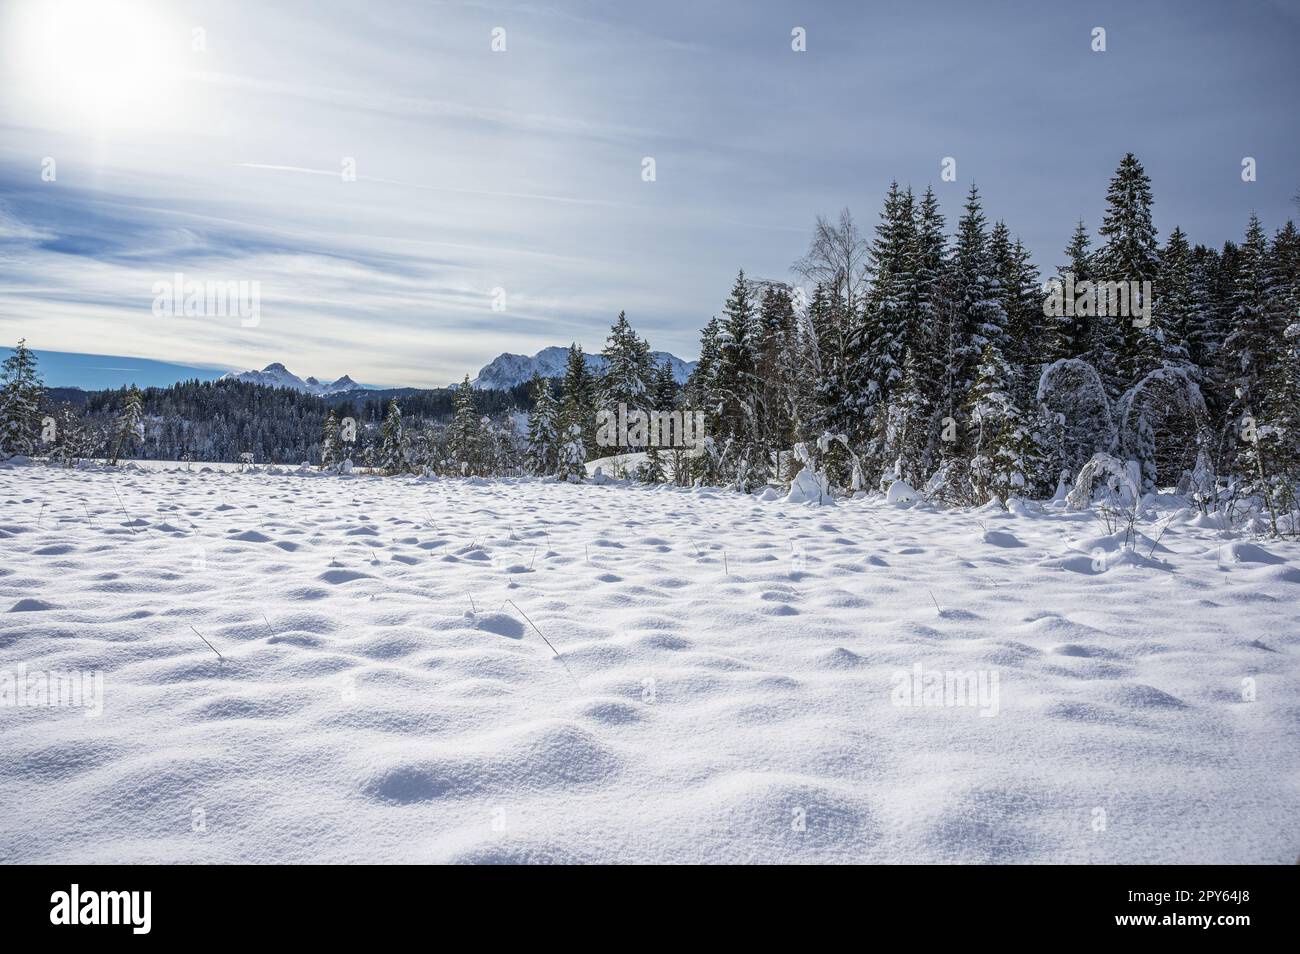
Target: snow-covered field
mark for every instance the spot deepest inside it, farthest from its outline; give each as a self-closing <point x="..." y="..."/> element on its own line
<point x="730" y="685"/>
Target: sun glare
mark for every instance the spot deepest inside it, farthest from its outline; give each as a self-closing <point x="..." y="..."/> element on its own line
<point x="97" y="65"/>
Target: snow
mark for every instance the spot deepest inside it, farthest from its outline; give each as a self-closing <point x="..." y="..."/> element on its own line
<point x="900" y="491"/>
<point x="438" y="670"/>
<point x="507" y="370"/>
<point x="276" y="375"/>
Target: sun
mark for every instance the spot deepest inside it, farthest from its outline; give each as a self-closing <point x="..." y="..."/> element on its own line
<point x="95" y="65"/>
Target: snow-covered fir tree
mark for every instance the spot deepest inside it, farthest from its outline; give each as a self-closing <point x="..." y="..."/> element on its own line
<point x="543" y="429"/>
<point x="329" y="445"/>
<point x="628" y="373"/>
<point x="1069" y="334"/>
<point x="128" y="429"/>
<point x="578" y="401"/>
<point x="734" y="398"/>
<point x="21" y="393"/>
<point x="465" y="433"/>
<point x="392" y="442"/>
<point x="1129" y="254"/>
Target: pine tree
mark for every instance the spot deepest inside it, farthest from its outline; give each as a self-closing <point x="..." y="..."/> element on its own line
<point x="775" y="351"/>
<point x="832" y="411"/>
<point x="21" y="394"/>
<point x="1280" y="404"/>
<point x="665" y="388"/>
<point x="1069" y="333"/>
<point x="877" y="350"/>
<point x="543" y="429"/>
<point x="735" y="388"/>
<point x="1175" y="313"/>
<point x="1129" y="254"/>
<point x="392" y="441"/>
<point x="1016" y="289"/>
<point x="572" y="454"/>
<point x="578" y="401"/>
<point x="665" y="395"/>
<point x="904" y="430"/>
<point x="465" y="435"/>
<point x="927" y="303"/>
<point x="329" y="447"/>
<point x="699" y="386"/>
<point x="128" y="430"/>
<point x="626" y="380"/>
<point x="1254" y="334"/>
<point x="976" y="317"/>
<point x="1010" y="456"/>
<point x="71" y="439"/>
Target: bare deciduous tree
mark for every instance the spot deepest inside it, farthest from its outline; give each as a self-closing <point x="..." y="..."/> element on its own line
<point x="837" y="257"/>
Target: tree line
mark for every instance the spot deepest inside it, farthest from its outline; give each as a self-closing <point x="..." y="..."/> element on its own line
<point x="942" y="361"/>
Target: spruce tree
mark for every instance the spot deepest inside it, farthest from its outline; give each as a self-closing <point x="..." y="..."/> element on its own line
<point x="735" y="388"/>
<point x="775" y="352"/>
<point x="1176" y="313"/>
<point x="21" y="393"/>
<point x="465" y="437"/>
<point x="1129" y="254"/>
<point x="1010" y="456"/>
<point x="1255" y="334"/>
<point x="543" y="428"/>
<point x="666" y="396"/>
<point x="877" y="349"/>
<point x="1280" y="403"/>
<point x="329" y="447"/>
<point x="699" y="386"/>
<point x="128" y="430"/>
<point x="1069" y="334"/>
<point x="976" y="317"/>
<point x="392" y="440"/>
<point x="578" y="401"/>
<point x="72" y="440"/>
<point x="627" y="376"/>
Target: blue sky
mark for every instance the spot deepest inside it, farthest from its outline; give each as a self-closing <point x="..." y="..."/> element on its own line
<point x="521" y="170"/>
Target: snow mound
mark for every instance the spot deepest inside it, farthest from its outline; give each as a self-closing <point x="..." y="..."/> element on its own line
<point x="719" y="679"/>
<point x="900" y="491"/>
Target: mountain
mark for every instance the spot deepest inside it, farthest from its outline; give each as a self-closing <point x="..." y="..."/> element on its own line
<point x="506" y="370"/>
<point x="278" y="376"/>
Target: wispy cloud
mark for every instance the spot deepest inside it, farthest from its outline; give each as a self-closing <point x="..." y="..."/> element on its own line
<point x="522" y="170"/>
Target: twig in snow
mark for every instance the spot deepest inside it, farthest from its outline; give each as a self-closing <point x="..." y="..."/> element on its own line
<point x="935" y="602"/>
<point x="548" y="643"/>
<point x="1156" y="543"/>
<point x="210" y="646"/>
<point x="129" y="518"/>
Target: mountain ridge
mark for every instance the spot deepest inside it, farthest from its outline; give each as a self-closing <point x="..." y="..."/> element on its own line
<point x="276" y="375"/>
<point x="507" y="370"/>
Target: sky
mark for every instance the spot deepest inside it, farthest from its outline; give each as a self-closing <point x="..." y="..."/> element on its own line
<point x="500" y="201"/>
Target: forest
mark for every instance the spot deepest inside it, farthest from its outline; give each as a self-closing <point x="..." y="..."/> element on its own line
<point x="942" y="363"/>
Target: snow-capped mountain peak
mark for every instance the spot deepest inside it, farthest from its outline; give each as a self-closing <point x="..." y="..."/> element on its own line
<point x="507" y="370"/>
<point x="276" y="375"/>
